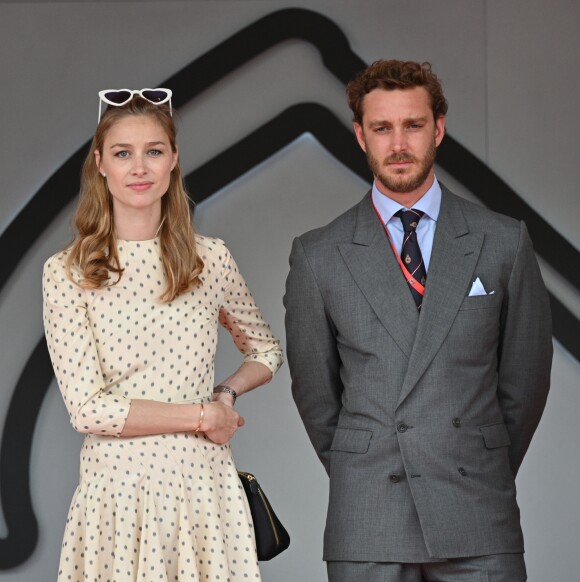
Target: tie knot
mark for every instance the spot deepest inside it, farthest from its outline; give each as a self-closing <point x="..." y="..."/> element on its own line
<point x="410" y="218"/>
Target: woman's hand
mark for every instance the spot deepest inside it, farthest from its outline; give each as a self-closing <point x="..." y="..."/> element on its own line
<point x="220" y="422"/>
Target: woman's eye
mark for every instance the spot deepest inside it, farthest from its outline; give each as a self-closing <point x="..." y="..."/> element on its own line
<point x="122" y="154"/>
<point x="155" y="152"/>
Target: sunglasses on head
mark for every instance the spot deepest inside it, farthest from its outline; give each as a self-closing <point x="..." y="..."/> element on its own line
<point x="119" y="97"/>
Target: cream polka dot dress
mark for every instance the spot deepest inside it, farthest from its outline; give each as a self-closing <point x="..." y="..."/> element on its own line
<point x="157" y="508"/>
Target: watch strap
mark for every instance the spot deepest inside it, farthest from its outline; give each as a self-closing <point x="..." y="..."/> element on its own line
<point x="227" y="390"/>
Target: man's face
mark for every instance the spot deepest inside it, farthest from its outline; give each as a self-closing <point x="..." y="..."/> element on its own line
<point x="400" y="137"/>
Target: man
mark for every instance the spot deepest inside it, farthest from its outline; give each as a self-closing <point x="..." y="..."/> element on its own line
<point x="419" y="344"/>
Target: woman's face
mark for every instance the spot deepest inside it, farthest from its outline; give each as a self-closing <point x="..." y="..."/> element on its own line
<point x="137" y="160"/>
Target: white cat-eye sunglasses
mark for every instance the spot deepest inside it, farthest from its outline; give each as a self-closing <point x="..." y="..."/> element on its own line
<point x="119" y="97"/>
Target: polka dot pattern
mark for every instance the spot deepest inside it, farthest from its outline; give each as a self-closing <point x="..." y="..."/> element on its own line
<point x="165" y="507"/>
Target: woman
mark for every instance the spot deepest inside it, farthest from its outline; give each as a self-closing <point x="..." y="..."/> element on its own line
<point x="131" y="310"/>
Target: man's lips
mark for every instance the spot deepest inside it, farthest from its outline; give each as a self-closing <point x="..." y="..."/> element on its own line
<point x="398" y="163"/>
<point x="140" y="186"/>
<point x="399" y="160"/>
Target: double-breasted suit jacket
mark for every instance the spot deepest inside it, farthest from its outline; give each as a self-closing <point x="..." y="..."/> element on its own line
<point x="420" y="419"/>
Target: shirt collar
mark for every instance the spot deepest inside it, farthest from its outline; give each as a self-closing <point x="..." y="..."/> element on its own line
<point x="429" y="203"/>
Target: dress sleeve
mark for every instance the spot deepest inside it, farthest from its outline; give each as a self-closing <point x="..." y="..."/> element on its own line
<point x="74" y="355"/>
<point x="240" y="315"/>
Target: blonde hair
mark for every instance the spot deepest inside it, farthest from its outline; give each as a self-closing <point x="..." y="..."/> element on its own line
<point x="93" y="250"/>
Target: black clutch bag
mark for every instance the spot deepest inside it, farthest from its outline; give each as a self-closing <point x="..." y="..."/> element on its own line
<point x="271" y="536"/>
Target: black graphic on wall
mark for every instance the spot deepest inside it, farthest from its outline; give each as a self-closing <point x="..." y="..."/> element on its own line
<point x="202" y="183"/>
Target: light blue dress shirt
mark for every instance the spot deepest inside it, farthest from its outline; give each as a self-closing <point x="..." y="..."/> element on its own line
<point x="429" y="203"/>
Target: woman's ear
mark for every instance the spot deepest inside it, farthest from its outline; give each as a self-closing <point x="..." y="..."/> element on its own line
<point x="97" y="155"/>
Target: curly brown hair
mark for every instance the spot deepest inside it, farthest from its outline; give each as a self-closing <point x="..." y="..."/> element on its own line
<point x="93" y="252"/>
<point x="393" y="74"/>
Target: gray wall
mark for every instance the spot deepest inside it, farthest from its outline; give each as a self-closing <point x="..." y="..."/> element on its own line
<point x="510" y="70"/>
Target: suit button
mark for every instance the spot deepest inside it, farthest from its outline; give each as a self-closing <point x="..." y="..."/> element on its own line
<point x="456" y="422"/>
<point x="402" y="427"/>
<point x="462" y="471"/>
<point x="394" y="478"/>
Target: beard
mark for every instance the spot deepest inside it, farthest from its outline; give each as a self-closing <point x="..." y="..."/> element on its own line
<point x="401" y="183"/>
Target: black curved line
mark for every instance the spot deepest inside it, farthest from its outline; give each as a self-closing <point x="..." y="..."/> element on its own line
<point x="497" y="195"/>
<point x="566" y="327"/>
<point x="15" y="458"/>
<point x="214" y="175"/>
<point x="39" y="212"/>
<point x="258" y="37"/>
<point x="231" y="54"/>
<point x="217" y="173"/>
<point x="339" y="141"/>
<point x="271" y="137"/>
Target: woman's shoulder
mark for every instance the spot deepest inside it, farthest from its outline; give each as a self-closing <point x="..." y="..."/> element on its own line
<point x="56" y="262"/>
<point x="211" y="246"/>
<point x="56" y="268"/>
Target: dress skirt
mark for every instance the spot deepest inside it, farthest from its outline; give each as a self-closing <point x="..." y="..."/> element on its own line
<point x="158" y="508"/>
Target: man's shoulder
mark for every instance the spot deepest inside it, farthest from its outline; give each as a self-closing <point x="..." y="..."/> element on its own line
<point x="340" y="229"/>
<point x="480" y="218"/>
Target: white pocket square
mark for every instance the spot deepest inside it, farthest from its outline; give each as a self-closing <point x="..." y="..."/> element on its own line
<point x="478" y="289"/>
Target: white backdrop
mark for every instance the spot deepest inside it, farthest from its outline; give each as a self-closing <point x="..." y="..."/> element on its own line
<point x="510" y="72"/>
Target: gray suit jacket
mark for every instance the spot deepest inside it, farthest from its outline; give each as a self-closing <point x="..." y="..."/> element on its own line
<point x="420" y="421"/>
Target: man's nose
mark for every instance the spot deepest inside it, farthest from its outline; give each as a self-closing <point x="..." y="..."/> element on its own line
<point x="399" y="142"/>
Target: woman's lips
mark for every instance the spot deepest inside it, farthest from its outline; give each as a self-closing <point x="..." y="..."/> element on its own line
<point x="140" y="186"/>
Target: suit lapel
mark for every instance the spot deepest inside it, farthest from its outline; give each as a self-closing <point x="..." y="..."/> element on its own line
<point x="374" y="267"/>
<point x="453" y="259"/>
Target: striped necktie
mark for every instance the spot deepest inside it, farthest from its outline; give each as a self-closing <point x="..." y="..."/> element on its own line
<point x="411" y="258"/>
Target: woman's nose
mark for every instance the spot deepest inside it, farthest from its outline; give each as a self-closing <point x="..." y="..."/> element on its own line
<point x="139" y="166"/>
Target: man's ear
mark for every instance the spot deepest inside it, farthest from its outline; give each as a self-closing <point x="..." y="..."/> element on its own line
<point x="439" y="129"/>
<point x="360" y="136"/>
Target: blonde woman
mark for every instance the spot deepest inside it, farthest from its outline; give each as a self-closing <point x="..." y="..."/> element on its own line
<point x="131" y="312"/>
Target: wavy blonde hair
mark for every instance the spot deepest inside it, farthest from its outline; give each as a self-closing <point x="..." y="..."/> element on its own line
<point x="93" y="251"/>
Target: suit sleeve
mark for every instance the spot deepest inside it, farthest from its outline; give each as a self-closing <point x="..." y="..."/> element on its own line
<point x="525" y="351"/>
<point x="312" y="352"/>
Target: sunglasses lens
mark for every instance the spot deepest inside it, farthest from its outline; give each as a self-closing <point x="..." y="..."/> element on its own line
<point x="118" y="97"/>
<point x="155" y="96"/>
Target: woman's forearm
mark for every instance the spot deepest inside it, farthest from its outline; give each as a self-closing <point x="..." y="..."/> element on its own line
<point x="150" y="417"/>
<point x="248" y="376"/>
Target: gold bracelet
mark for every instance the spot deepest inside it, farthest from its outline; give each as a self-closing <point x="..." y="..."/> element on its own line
<point x="200" y="418"/>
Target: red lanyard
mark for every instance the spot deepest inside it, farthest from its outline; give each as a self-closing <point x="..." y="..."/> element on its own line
<point x="410" y="279"/>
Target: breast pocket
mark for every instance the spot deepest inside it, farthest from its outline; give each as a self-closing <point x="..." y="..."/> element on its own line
<point x="493" y="301"/>
<point x="474" y="336"/>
